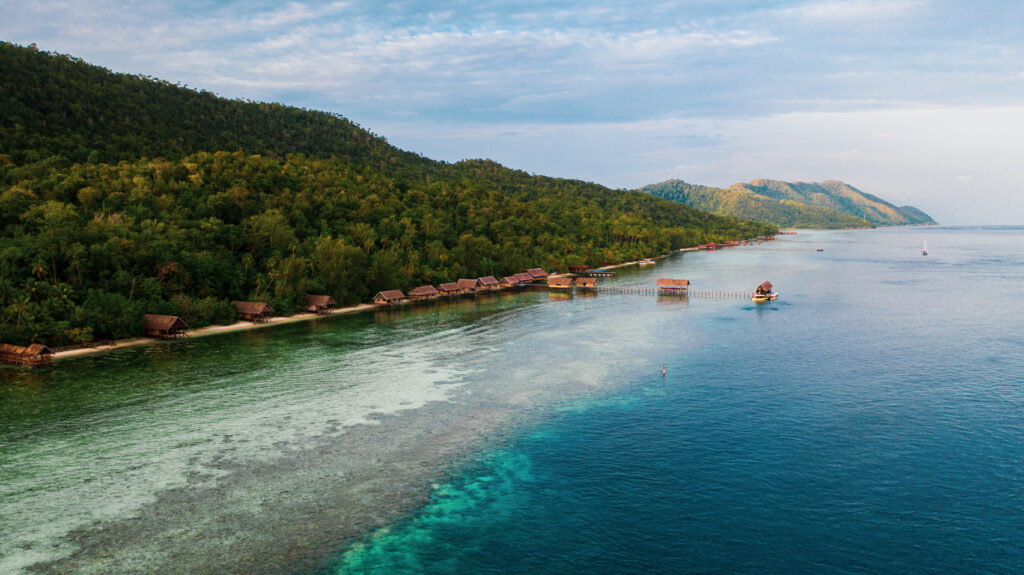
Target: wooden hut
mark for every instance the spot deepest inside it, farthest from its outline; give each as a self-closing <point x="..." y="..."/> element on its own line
<point x="764" y="289"/>
<point x="449" y="289"/>
<point x="423" y="293"/>
<point x="389" y="297"/>
<point x="585" y="283"/>
<point x="524" y="278"/>
<point x="578" y="268"/>
<point x="254" y="311"/>
<point x="672" y="286"/>
<point x="487" y="283"/>
<point x="537" y="274"/>
<point x="509" y="282"/>
<point x="35" y="354"/>
<point x="165" y="326"/>
<point x="320" y="304"/>
<point x="468" y="285"/>
<point x="560" y="283"/>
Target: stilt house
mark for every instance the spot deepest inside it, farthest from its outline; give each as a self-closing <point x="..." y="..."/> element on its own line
<point x="423" y="293"/>
<point x="165" y="326"/>
<point x="560" y="283"/>
<point x="537" y="274"/>
<point x="35" y="354"/>
<point x="672" y="286"/>
<point x="254" y="311"/>
<point x="585" y="283"/>
<point x="449" y="289"/>
<point x="320" y="304"/>
<point x="389" y="297"/>
<point x="487" y="283"/>
<point x="468" y="286"/>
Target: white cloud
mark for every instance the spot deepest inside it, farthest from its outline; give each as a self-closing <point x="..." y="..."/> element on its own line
<point x="853" y="10"/>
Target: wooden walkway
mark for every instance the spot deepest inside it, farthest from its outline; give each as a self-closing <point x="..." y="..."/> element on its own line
<point x="649" y="291"/>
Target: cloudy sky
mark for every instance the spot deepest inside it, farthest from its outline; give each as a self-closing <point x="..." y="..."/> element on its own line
<point x="920" y="102"/>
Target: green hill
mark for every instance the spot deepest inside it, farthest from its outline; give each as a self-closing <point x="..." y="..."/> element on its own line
<point x="829" y="204"/>
<point x="122" y="195"/>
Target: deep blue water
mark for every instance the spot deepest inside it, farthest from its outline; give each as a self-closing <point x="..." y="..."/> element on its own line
<point x="870" y="421"/>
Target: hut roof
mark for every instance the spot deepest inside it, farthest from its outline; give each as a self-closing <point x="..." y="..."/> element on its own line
<point x="157" y="322"/>
<point x="578" y="268"/>
<point x="34" y="350"/>
<point x="450" y="286"/>
<point x="560" y="282"/>
<point x="391" y="294"/>
<point x="423" y="290"/>
<point x="767" y="286"/>
<point x="672" y="283"/>
<point x="586" y="282"/>
<point x="524" y="277"/>
<point x="320" y="301"/>
<point x="488" y="281"/>
<point x="537" y="273"/>
<point x="510" y="280"/>
<point x="253" y="307"/>
<point x="468" y="284"/>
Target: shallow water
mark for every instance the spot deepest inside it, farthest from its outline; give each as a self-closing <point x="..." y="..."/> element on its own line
<point x="870" y="420"/>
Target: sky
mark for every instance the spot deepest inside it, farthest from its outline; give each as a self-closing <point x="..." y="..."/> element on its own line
<point x="920" y="102"/>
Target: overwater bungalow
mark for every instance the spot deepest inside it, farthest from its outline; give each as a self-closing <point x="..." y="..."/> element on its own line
<point x="586" y="283"/>
<point x="672" y="286"/>
<point x="35" y="354"/>
<point x="449" y="289"/>
<point x="487" y="283"/>
<point x="389" y="297"/>
<point x="763" y="293"/>
<point x="538" y="274"/>
<point x="560" y="283"/>
<point x="509" y="282"/>
<point x="468" y="285"/>
<point x="320" y="304"/>
<point x="165" y="326"/>
<point x="424" y="293"/>
<point x="578" y="268"/>
<point x="524" y="278"/>
<point x="254" y="311"/>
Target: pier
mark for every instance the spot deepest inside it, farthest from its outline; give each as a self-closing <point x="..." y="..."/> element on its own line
<point x="653" y="291"/>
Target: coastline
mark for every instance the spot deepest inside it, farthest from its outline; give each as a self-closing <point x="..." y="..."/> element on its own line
<point x="245" y="325"/>
<point x="212" y="330"/>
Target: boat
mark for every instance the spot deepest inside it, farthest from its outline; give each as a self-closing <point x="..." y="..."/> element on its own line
<point x="924" y="250"/>
<point x="647" y="262"/>
<point x="763" y="293"/>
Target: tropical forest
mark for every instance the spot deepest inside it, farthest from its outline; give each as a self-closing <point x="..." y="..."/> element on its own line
<point x="122" y="195"/>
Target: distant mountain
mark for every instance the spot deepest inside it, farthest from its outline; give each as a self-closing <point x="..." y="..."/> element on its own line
<point x="828" y="204"/>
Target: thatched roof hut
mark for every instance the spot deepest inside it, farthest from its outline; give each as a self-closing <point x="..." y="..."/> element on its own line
<point x="586" y="283"/>
<point x="560" y="283"/>
<point x="389" y="297"/>
<point x="35" y="354"/>
<point x="672" y="285"/>
<point x="509" y="281"/>
<point x="468" y="285"/>
<point x="524" y="278"/>
<point x="488" y="283"/>
<point x="537" y="274"/>
<point x="165" y="326"/>
<point x="764" y="288"/>
<point x="320" y="303"/>
<point x="578" y="268"/>
<point x="423" y="292"/>
<point x="254" y="311"/>
<point x="448" y="288"/>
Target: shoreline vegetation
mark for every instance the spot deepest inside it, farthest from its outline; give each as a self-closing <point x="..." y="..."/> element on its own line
<point x="273" y="321"/>
<point x="123" y="196"/>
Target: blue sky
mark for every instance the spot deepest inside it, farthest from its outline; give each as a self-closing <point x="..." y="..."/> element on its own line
<point x="918" y="101"/>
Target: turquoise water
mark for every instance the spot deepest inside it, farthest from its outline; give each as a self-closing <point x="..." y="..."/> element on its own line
<point x="871" y="420"/>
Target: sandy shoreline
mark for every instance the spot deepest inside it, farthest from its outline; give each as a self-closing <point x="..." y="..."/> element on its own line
<point x="212" y="330"/>
<point x="244" y="325"/>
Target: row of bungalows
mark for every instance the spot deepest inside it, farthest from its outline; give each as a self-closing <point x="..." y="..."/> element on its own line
<point x="672" y="286"/>
<point x="32" y="355"/>
<point x="463" y="286"/>
<point x="708" y="246"/>
<point x="566" y="283"/>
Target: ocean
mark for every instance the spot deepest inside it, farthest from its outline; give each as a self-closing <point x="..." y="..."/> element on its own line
<point x="871" y="420"/>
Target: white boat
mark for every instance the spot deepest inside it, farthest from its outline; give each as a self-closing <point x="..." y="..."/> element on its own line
<point x="647" y="262"/>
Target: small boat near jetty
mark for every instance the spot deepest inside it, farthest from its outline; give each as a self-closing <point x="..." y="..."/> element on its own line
<point x="764" y="293"/>
<point x="647" y="262"/>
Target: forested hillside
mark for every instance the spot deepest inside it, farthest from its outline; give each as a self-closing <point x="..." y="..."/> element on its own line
<point x="122" y="195"/>
<point x="829" y="204"/>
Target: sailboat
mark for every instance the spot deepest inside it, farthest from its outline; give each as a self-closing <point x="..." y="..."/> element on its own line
<point x="924" y="250"/>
